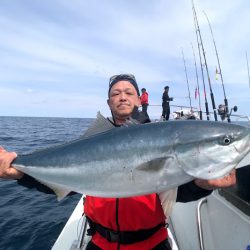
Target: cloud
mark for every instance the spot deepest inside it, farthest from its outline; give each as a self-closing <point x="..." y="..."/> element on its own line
<point x="69" y="50"/>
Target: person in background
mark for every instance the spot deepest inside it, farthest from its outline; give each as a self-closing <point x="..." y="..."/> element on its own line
<point x="165" y="104"/>
<point x="144" y="102"/>
<point x="124" y="223"/>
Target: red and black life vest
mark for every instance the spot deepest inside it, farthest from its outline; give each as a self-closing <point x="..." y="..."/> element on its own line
<point x="127" y="215"/>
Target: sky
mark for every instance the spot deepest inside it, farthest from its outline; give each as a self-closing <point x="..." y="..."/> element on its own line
<point x="57" y="56"/>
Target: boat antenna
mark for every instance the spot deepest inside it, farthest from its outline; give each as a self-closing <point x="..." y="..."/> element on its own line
<point x="205" y="61"/>
<point x="189" y="96"/>
<point x="202" y="72"/>
<point x="220" y="72"/>
<point x="248" y="70"/>
<point x="197" y="84"/>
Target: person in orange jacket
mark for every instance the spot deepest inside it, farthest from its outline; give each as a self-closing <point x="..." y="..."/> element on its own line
<point x="144" y="101"/>
<point x="123" y="223"/>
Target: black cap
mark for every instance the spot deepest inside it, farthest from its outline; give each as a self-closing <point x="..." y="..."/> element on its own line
<point x="127" y="77"/>
<point x="166" y="87"/>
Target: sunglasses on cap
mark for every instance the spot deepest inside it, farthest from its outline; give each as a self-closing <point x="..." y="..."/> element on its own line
<point x="120" y="77"/>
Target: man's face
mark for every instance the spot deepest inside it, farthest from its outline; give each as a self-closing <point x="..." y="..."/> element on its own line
<point x="122" y="99"/>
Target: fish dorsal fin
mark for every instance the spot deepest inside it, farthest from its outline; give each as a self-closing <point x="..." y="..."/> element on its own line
<point x="100" y="125"/>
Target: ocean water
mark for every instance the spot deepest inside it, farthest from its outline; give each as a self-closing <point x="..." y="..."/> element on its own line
<point x="31" y="220"/>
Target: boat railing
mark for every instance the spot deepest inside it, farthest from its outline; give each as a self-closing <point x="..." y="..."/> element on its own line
<point x="243" y="117"/>
<point x="195" y="110"/>
<point x="80" y="241"/>
<point x="199" y="223"/>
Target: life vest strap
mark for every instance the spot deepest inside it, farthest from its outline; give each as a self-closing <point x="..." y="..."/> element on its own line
<point x="123" y="237"/>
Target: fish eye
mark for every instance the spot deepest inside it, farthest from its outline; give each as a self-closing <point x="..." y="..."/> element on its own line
<point x="226" y="140"/>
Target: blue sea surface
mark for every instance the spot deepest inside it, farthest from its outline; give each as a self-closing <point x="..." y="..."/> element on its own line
<point x="31" y="220"/>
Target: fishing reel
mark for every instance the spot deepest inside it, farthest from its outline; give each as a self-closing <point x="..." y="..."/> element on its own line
<point x="223" y="112"/>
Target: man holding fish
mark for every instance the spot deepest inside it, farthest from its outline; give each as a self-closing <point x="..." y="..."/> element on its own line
<point x="127" y="222"/>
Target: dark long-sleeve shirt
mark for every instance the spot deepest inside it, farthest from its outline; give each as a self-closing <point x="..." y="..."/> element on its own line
<point x="165" y="98"/>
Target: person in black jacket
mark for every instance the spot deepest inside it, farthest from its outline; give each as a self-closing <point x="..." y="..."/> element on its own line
<point x="165" y="104"/>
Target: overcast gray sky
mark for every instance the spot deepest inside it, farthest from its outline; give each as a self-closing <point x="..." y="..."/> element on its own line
<point x="57" y="56"/>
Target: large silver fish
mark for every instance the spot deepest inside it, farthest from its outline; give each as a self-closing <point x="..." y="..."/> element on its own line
<point x="138" y="159"/>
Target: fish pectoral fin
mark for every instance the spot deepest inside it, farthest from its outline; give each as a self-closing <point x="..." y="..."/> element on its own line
<point x="168" y="200"/>
<point x="153" y="165"/>
<point x="100" y="125"/>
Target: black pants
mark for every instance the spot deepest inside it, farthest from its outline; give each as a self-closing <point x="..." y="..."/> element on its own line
<point x="165" y="111"/>
<point x="164" y="245"/>
<point x="145" y="109"/>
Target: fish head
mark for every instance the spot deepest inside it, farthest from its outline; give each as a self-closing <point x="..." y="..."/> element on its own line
<point x="211" y="150"/>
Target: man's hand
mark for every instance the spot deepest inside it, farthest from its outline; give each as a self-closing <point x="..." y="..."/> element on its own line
<point x="6" y="170"/>
<point x="226" y="181"/>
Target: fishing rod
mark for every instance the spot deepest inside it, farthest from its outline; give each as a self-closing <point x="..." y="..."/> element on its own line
<point x="202" y="72"/>
<point x="248" y="70"/>
<point x="187" y="81"/>
<point x="197" y="84"/>
<point x="205" y="61"/>
<point x="220" y="72"/>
